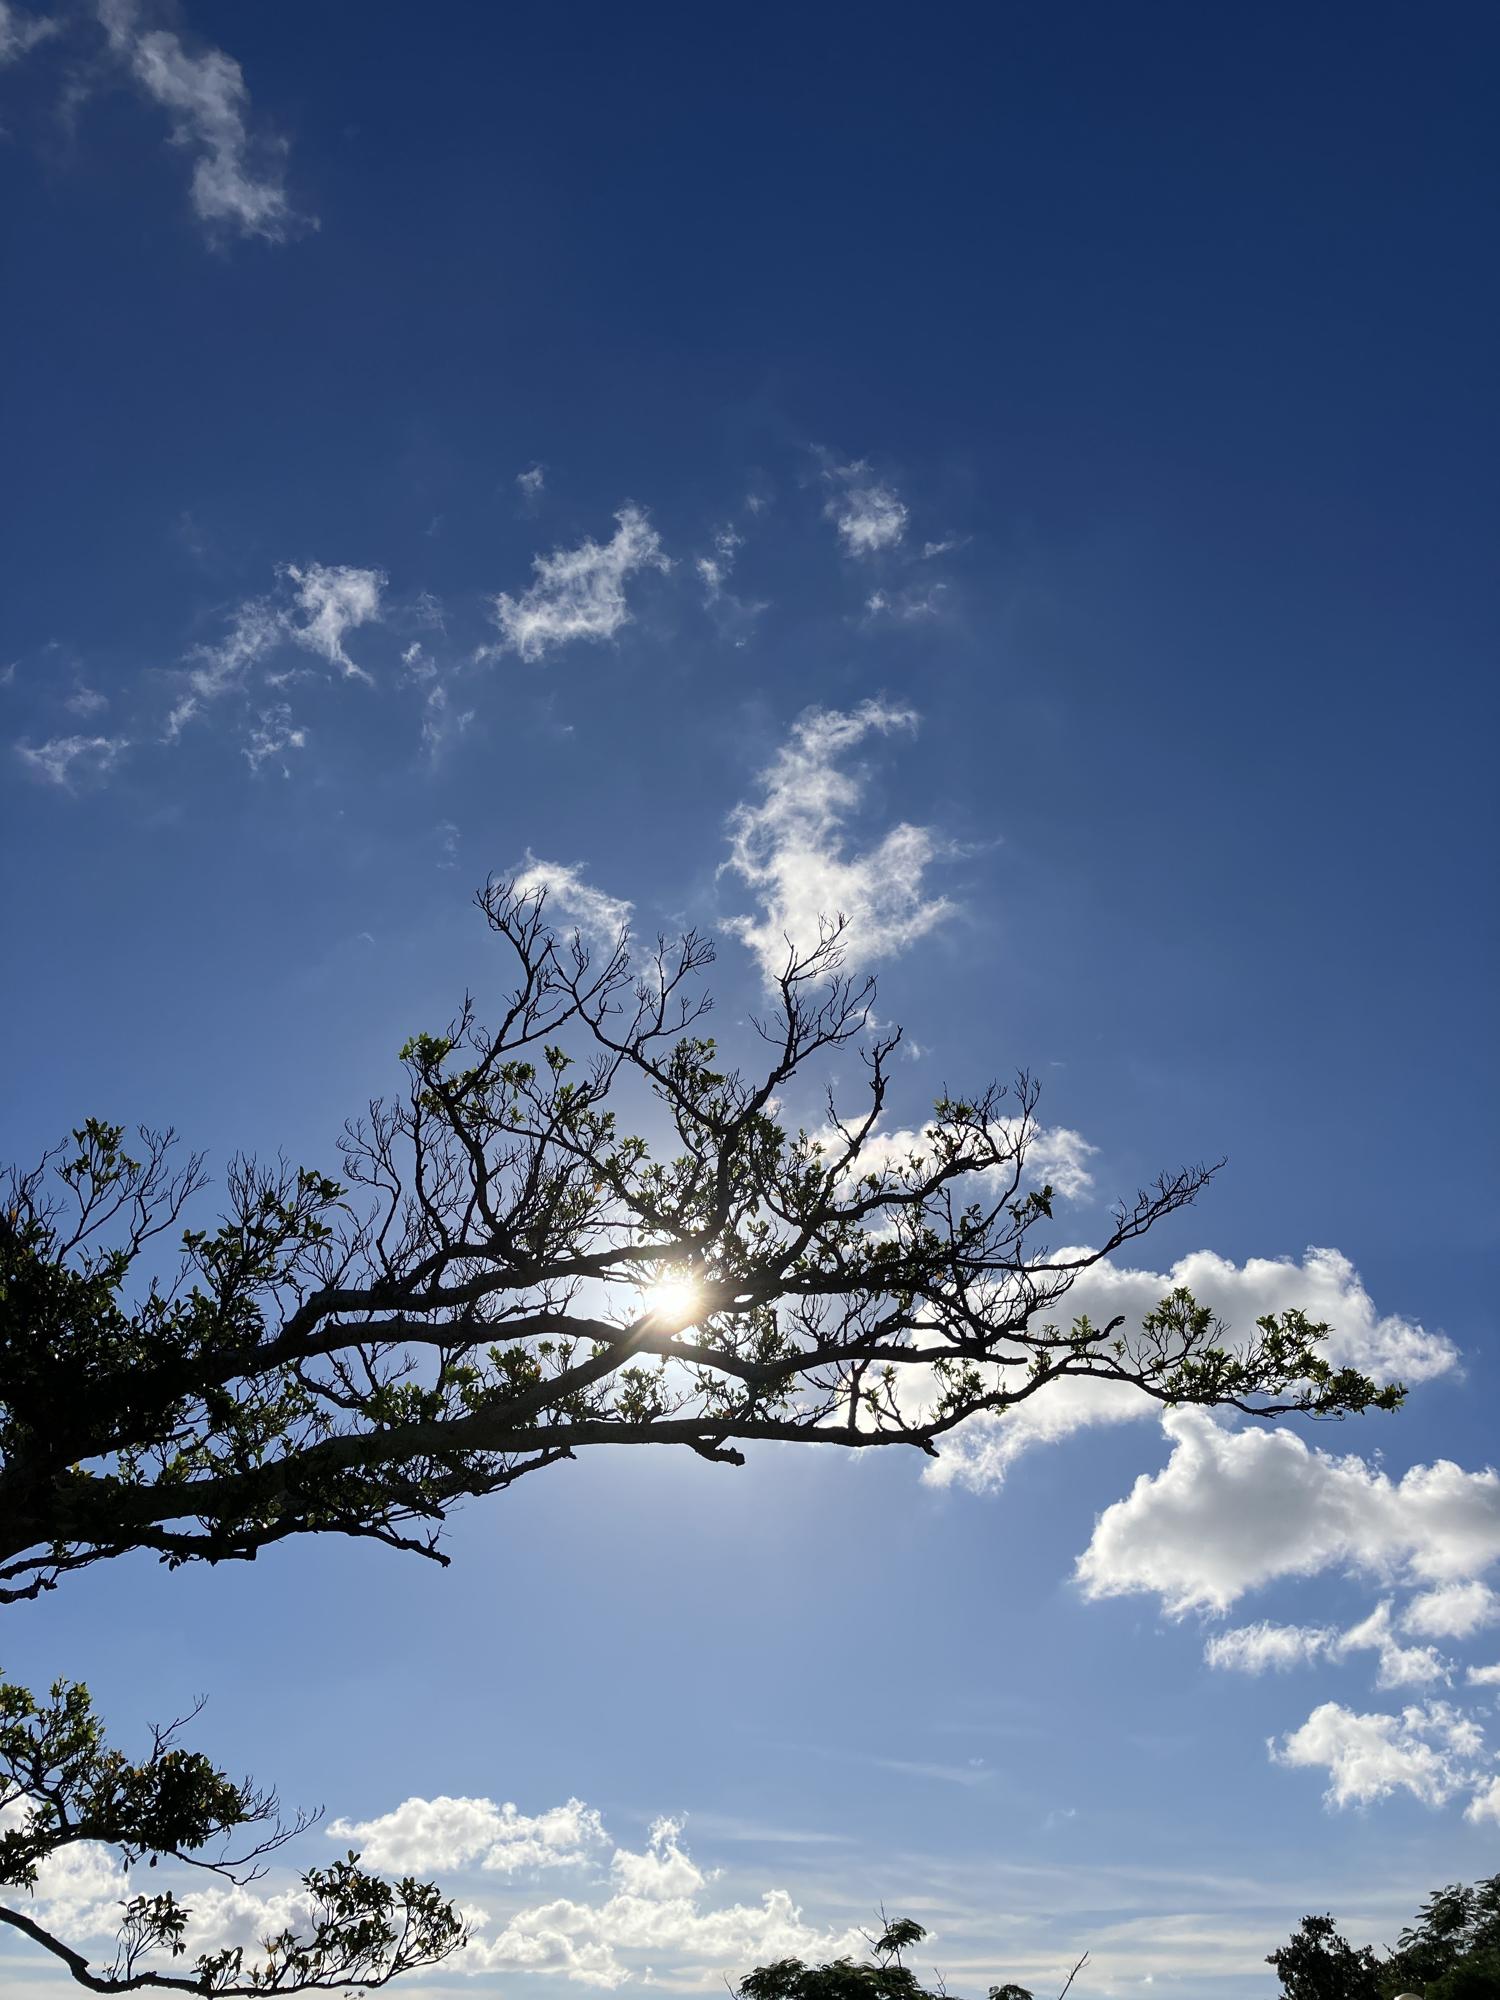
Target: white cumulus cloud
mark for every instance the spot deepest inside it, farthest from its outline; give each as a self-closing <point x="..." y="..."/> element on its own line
<point x="1054" y="1154"/>
<point x="1233" y="1510"/>
<point x="425" y="1836"/>
<point x="1430" y="1750"/>
<point x="1452" y="1611"/>
<point x="580" y="593"/>
<point x="1323" y="1283"/>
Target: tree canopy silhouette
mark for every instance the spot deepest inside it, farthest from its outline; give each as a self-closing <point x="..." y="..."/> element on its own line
<point x="1451" y="1951"/>
<point x="884" y="1975"/>
<point x="505" y="1273"/>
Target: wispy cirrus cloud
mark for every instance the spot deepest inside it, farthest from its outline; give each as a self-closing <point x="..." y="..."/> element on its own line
<point x="714" y="570"/>
<point x="316" y="607"/>
<point x="20" y="32"/>
<point x="444" y="723"/>
<point x="870" y="515"/>
<point x="238" y="180"/>
<point x="255" y="628"/>
<point x="906" y="607"/>
<point x="68" y="760"/>
<point x="334" y="599"/>
<point x="272" y="735"/>
<point x="580" y="593"/>
<point x="791" y="847"/>
<point x="600" y="916"/>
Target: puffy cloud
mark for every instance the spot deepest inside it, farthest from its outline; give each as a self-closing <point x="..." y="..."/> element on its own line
<point x="791" y="849"/>
<point x="1485" y="1803"/>
<point x="238" y="179"/>
<point x="423" y="1836"/>
<point x="580" y="593"/>
<point x="651" y="1909"/>
<point x="1452" y="1611"/>
<point x="595" y="1943"/>
<point x="1232" y="1510"/>
<point x="599" y="916"/>
<point x="663" y="1870"/>
<point x="1428" y="1750"/>
<point x="334" y="599"/>
<point x="1324" y="1284"/>
<point x="531" y="482"/>
<point x="1055" y="1154"/>
<point x="77" y="1890"/>
<point x="1397" y="1666"/>
<point x="870" y="516"/>
<point x="1251" y="1649"/>
<point x="1484" y="1676"/>
<point x="64" y="760"/>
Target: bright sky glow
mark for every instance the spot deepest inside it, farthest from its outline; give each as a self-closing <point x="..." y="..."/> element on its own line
<point x="1016" y="477"/>
<point x="673" y="1300"/>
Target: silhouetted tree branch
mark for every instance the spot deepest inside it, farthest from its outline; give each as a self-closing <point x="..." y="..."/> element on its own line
<point x="476" y="1297"/>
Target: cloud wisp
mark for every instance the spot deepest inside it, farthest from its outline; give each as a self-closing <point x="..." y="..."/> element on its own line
<point x="20" y="32"/>
<point x="869" y="515"/>
<point x="791" y="848"/>
<point x="238" y="181"/>
<point x="334" y="599"/>
<point x="579" y="593"/>
<point x="68" y="760"/>
<point x="318" y="606"/>
<point x="601" y="918"/>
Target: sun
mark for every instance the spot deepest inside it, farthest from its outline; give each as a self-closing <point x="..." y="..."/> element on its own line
<point x="674" y="1300"/>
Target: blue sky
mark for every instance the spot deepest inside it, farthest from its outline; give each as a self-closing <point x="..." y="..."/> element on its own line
<point x="477" y="440"/>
